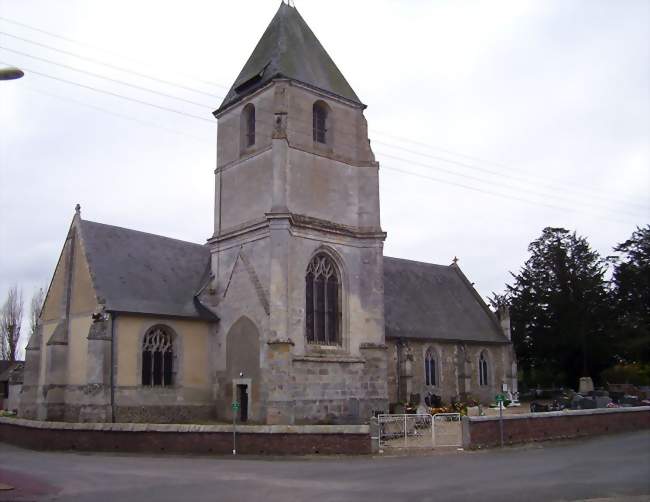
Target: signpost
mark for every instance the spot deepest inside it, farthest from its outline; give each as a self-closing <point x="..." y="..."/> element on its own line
<point x="235" y="407"/>
<point x="499" y="399"/>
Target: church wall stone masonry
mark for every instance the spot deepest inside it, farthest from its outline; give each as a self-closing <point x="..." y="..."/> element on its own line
<point x="290" y="309"/>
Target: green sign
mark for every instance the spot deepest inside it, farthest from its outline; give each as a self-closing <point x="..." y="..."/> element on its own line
<point x="499" y="398"/>
<point x="235" y="405"/>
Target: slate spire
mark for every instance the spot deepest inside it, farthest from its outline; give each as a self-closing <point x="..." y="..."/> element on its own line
<point x="289" y="49"/>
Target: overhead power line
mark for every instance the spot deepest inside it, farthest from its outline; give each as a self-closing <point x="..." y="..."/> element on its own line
<point x="390" y="168"/>
<point x="497" y="194"/>
<point x="102" y="49"/>
<point x="97" y="75"/>
<point x="588" y="192"/>
<point x="522" y="178"/>
<point x="556" y="184"/>
<point x="588" y="198"/>
<point x="200" y="118"/>
<point x="497" y="183"/>
<point x="146" y="89"/>
<point x="110" y="65"/>
<point x="114" y="94"/>
<point x="120" y="115"/>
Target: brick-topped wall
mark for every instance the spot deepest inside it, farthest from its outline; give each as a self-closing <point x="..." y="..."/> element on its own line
<point x="202" y="439"/>
<point x="482" y="432"/>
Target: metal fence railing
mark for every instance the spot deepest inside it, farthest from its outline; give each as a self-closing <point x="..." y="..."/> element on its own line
<point x="405" y="431"/>
<point x="419" y="430"/>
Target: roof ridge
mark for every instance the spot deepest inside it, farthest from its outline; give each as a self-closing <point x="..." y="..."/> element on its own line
<point x="417" y="261"/>
<point x="144" y="233"/>
<point x="479" y="299"/>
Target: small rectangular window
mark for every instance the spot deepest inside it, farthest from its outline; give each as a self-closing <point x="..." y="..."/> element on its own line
<point x="320" y="122"/>
<point x="250" y="128"/>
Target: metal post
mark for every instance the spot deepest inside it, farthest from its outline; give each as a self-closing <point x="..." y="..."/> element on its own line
<point x="234" y="431"/>
<point x="433" y="431"/>
<point x="501" y="421"/>
<point x="113" y="317"/>
<point x="405" y="443"/>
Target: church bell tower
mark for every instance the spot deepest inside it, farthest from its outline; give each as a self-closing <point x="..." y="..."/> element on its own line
<point x="297" y="249"/>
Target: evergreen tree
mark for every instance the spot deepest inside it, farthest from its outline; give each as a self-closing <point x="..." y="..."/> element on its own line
<point x="558" y="308"/>
<point x="631" y="289"/>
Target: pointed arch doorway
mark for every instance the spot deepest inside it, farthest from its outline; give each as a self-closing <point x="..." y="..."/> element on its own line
<point x="243" y="368"/>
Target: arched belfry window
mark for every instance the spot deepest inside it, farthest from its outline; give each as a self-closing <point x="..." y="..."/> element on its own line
<point x="248" y="125"/>
<point x="157" y="357"/>
<point x="323" y="301"/>
<point x="430" y="370"/>
<point x="320" y="122"/>
<point x="483" y="369"/>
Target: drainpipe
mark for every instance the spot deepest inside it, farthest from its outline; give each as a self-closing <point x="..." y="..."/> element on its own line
<point x="112" y="373"/>
<point x="399" y="369"/>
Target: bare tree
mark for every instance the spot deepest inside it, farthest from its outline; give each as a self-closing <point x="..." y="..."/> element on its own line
<point x="35" y="307"/>
<point x="11" y="318"/>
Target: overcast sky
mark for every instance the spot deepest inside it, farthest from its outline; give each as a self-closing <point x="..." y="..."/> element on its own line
<point x="509" y="116"/>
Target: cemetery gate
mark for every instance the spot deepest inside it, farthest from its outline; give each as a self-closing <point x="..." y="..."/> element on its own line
<point x="419" y="430"/>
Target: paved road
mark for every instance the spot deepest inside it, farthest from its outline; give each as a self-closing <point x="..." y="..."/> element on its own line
<point x="612" y="467"/>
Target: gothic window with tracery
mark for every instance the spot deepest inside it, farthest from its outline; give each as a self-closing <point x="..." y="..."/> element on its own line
<point x="320" y="122"/>
<point x="430" y="368"/>
<point x="157" y="357"/>
<point x="322" y="294"/>
<point x="483" y="369"/>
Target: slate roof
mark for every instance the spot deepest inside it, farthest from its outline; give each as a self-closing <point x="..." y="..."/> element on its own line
<point x="289" y="49"/>
<point x="427" y="301"/>
<point x="137" y="272"/>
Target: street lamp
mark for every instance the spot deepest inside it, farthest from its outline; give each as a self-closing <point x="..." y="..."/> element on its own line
<point x="10" y="73"/>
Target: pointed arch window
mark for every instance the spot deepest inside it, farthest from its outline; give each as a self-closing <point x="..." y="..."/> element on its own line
<point x="248" y="125"/>
<point x="322" y="302"/>
<point x="430" y="368"/>
<point x="157" y="357"/>
<point x="320" y="122"/>
<point x="483" y="370"/>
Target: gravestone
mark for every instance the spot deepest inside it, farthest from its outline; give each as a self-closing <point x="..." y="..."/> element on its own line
<point x="586" y="385"/>
<point x="603" y="401"/>
<point x="588" y="404"/>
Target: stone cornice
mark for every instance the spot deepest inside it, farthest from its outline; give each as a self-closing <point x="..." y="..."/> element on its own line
<point x="242" y="159"/>
<point x="304" y="222"/>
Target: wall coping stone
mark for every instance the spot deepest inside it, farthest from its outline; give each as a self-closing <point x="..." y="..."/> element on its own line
<point x="370" y="346"/>
<point x="138" y="427"/>
<point x="564" y="413"/>
<point x="329" y="358"/>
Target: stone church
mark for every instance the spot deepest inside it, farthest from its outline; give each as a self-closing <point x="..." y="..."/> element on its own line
<point x="290" y="309"/>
